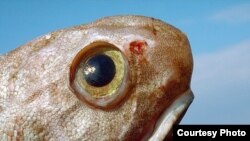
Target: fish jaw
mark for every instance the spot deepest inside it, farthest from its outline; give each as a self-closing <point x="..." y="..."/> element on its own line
<point x="172" y="115"/>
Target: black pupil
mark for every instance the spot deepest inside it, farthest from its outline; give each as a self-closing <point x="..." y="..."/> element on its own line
<point x="99" y="70"/>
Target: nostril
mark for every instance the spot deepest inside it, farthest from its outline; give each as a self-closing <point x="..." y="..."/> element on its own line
<point x="138" y="47"/>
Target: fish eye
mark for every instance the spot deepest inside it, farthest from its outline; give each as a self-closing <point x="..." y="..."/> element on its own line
<point x="99" y="70"/>
<point x="99" y="75"/>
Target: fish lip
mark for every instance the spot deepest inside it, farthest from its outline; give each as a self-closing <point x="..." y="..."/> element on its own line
<point x="171" y="115"/>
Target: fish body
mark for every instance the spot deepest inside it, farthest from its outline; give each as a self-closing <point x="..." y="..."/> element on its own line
<point x="48" y="92"/>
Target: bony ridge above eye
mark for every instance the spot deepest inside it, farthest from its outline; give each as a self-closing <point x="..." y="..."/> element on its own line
<point x="99" y="75"/>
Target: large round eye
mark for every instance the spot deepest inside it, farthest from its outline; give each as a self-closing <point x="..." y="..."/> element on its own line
<point x="99" y="76"/>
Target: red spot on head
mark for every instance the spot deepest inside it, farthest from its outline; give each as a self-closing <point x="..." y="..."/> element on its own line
<point x="137" y="47"/>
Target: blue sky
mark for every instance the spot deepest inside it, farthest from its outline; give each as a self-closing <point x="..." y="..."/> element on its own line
<point x="218" y="32"/>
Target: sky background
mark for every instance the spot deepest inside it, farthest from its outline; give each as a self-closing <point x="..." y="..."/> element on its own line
<point x="218" y="31"/>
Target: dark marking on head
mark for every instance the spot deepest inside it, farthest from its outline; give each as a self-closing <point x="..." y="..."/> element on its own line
<point x="154" y="31"/>
<point x="34" y="95"/>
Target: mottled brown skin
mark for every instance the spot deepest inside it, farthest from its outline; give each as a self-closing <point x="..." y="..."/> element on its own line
<point x="37" y="101"/>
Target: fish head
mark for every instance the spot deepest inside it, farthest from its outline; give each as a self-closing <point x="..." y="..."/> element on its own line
<point x="118" y="78"/>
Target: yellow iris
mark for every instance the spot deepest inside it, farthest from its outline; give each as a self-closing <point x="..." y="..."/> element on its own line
<point x="110" y="88"/>
<point x="109" y="93"/>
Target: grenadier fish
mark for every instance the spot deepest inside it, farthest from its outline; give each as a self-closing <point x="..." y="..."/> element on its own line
<point x="119" y="78"/>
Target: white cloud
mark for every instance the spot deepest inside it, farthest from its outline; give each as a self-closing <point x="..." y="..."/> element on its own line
<point x="221" y="84"/>
<point x="235" y="14"/>
<point x="232" y="62"/>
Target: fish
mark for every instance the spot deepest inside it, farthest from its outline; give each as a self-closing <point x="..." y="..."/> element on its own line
<point x="117" y="78"/>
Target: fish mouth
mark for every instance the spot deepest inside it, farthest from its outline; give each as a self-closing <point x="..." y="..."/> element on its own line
<point x="171" y="116"/>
